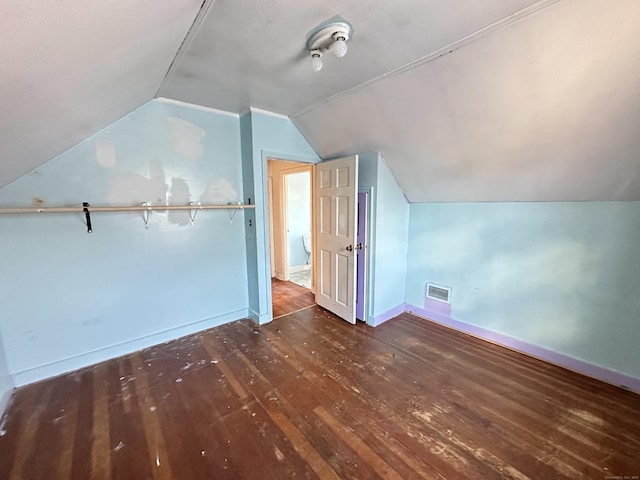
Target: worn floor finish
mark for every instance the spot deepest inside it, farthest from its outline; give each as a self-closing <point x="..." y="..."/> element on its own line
<point x="287" y="297"/>
<point x="310" y="396"/>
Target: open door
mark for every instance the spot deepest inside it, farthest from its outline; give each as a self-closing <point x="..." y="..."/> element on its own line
<point x="336" y="201"/>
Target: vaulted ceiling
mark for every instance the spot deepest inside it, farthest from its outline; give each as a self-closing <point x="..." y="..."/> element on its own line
<point x="518" y="100"/>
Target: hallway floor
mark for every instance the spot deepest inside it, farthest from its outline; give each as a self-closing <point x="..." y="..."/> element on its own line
<point x="287" y="297"/>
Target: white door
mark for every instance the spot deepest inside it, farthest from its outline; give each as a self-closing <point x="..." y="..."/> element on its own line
<point x="336" y="203"/>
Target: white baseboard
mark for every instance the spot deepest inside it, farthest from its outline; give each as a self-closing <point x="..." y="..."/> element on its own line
<point x="388" y="315"/>
<point x="70" y="364"/>
<point x="260" y="319"/>
<point x="4" y="402"/>
<point x="550" y="356"/>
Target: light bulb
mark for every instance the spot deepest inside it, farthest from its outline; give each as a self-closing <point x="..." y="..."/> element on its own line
<point x="316" y="61"/>
<point x="339" y="47"/>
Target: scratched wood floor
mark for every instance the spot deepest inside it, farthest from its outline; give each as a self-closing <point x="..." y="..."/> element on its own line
<point x="287" y="297"/>
<point x="309" y="396"/>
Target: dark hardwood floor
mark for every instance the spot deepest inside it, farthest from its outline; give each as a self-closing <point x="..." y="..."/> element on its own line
<point x="287" y="297"/>
<point x="310" y="396"/>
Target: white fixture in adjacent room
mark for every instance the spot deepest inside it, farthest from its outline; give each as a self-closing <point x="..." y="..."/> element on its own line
<point x="334" y="37"/>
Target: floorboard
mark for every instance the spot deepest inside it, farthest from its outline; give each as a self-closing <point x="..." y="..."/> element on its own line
<point x="288" y="297"/>
<point x="310" y="396"/>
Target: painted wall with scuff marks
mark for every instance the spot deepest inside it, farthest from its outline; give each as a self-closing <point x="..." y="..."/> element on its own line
<point x="388" y="230"/>
<point x="562" y="276"/>
<point x="70" y="298"/>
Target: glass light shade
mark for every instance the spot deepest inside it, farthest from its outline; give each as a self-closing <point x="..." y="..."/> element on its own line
<point x="339" y="48"/>
<point x="316" y="63"/>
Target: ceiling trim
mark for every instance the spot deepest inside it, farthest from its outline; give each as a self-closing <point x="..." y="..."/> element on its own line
<point x="193" y="106"/>
<point x="267" y="112"/>
<point x="429" y="57"/>
<point x="186" y="41"/>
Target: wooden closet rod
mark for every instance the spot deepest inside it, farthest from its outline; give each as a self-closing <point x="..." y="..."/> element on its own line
<point x="129" y="208"/>
<point x="87" y="209"/>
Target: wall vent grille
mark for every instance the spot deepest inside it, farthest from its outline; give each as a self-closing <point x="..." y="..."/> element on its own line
<point x="438" y="292"/>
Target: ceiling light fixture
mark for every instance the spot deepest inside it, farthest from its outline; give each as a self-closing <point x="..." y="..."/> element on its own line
<point x="316" y="60"/>
<point x="333" y="36"/>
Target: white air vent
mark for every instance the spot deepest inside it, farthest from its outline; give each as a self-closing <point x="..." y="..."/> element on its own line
<point x="438" y="292"/>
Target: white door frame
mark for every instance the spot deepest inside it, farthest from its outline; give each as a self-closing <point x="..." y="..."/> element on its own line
<point x="272" y="242"/>
<point x="282" y="248"/>
<point x="284" y="214"/>
<point x="364" y="253"/>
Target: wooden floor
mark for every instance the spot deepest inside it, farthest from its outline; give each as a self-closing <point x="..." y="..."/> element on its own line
<point x="310" y="396"/>
<point x="287" y="297"/>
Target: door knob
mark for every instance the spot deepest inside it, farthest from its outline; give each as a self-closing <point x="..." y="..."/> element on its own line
<point x="350" y="248"/>
<point x="359" y="246"/>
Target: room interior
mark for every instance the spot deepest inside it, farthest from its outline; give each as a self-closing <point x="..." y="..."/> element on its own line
<point x="289" y="202"/>
<point x="497" y="140"/>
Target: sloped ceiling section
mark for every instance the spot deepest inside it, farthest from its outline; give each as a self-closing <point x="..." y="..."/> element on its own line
<point x="71" y="67"/>
<point x="544" y="109"/>
<point x="518" y="100"/>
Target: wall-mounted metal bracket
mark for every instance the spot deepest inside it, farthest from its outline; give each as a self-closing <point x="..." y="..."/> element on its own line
<point x="87" y="216"/>
<point x="232" y="213"/>
<point x="194" y="212"/>
<point x="145" y="213"/>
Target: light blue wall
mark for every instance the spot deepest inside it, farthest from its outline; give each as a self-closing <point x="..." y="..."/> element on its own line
<point x="392" y="229"/>
<point x="265" y="136"/>
<point x="70" y="298"/>
<point x="388" y="230"/>
<point x="368" y="169"/>
<point x="367" y="181"/>
<point x="563" y="276"/>
<point x="249" y="185"/>
<point x="298" y="216"/>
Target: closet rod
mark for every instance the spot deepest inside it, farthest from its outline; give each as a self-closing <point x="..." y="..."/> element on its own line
<point x="131" y="208"/>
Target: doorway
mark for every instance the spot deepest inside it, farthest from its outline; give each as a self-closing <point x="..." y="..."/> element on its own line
<point x="297" y="206"/>
<point x="289" y="186"/>
<point x="297" y="216"/>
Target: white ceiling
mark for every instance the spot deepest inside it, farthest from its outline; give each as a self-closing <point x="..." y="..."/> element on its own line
<point x="253" y="52"/>
<point x="72" y="67"/>
<point x="537" y="100"/>
<point x="544" y="109"/>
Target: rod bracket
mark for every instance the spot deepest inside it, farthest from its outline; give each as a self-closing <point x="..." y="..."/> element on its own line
<point x="145" y="213"/>
<point x="193" y="212"/>
<point x="232" y="210"/>
<point x="87" y="216"/>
